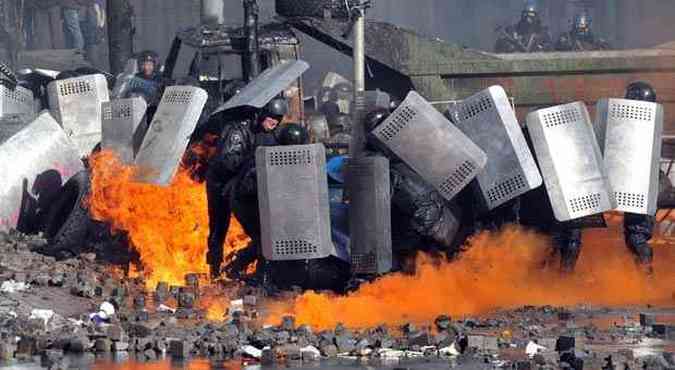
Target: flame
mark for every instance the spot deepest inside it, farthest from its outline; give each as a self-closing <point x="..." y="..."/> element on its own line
<point x="502" y="270"/>
<point x="168" y="226"/>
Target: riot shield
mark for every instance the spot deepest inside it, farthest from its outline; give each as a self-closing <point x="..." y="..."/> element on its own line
<point x="121" y="119"/>
<point x="293" y="202"/>
<point x="76" y="105"/>
<point x="18" y="102"/>
<point x="266" y="86"/>
<point x="36" y="161"/>
<point x="630" y="134"/>
<point x="369" y="215"/>
<point x="488" y="119"/>
<point x="168" y="135"/>
<point x="570" y="161"/>
<point x="432" y="146"/>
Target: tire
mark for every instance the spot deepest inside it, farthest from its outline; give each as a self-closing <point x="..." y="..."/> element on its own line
<point x="311" y="8"/>
<point x="67" y="222"/>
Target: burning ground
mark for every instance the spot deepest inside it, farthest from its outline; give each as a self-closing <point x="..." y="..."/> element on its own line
<point x="514" y="267"/>
<point x="503" y="270"/>
<point x="475" y="301"/>
<point x="168" y="226"/>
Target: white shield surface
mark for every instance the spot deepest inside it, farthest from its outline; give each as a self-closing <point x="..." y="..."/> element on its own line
<point x="570" y="161"/>
<point x="39" y="150"/>
<point x="431" y="145"/>
<point x="293" y="202"/>
<point x="370" y="199"/>
<point x="76" y="104"/>
<point x="267" y="85"/>
<point x="630" y="135"/>
<point x="18" y="102"/>
<point x="121" y="119"/>
<point x="488" y="119"/>
<point x="169" y="133"/>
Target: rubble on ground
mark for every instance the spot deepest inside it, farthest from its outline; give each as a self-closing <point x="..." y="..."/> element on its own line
<point x="82" y="305"/>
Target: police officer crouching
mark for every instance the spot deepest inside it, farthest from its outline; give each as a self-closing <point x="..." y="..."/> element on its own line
<point x="638" y="228"/>
<point x="228" y="178"/>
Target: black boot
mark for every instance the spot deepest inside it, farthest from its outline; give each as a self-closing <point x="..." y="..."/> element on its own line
<point x="569" y="254"/>
<point x="644" y="253"/>
<point x="567" y="239"/>
<point x="638" y="231"/>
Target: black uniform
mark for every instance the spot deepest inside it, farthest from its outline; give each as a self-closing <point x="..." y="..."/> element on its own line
<point x="235" y="148"/>
<point x="638" y="229"/>
<point x="527" y="36"/>
<point x="581" y="37"/>
<point x="571" y="41"/>
<point x="421" y="218"/>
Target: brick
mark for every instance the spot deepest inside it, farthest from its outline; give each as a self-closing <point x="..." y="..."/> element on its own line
<point x="120" y="346"/>
<point x="180" y="348"/>
<point x="564" y="344"/>
<point x="103" y="345"/>
<point x="647" y="319"/>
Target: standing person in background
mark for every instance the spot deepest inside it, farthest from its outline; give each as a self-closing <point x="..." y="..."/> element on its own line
<point x="82" y="22"/>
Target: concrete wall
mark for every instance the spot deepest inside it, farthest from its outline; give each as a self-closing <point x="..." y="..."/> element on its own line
<point x="625" y="23"/>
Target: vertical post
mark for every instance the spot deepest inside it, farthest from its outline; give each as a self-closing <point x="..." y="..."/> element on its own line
<point x="120" y="33"/>
<point x="251" y="59"/>
<point x="358" y="132"/>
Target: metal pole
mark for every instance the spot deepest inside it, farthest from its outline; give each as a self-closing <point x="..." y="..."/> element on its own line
<point x="120" y="33"/>
<point x="358" y="132"/>
<point x="251" y="59"/>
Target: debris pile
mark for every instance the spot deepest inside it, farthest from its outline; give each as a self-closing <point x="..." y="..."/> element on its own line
<point x="82" y="306"/>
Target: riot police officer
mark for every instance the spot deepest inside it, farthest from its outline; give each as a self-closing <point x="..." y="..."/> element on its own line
<point x="421" y="218"/>
<point x="240" y="134"/>
<point x="527" y="36"/>
<point x="148" y="65"/>
<point x="581" y="37"/>
<point x="638" y="228"/>
<point x="567" y="235"/>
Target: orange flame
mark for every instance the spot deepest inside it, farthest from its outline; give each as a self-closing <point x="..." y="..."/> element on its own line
<point x="500" y="270"/>
<point x="168" y="226"/>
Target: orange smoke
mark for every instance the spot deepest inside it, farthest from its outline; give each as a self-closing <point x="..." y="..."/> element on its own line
<point x="500" y="270"/>
<point x="168" y="226"/>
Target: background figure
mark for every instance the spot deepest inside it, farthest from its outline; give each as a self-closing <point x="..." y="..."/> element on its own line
<point x="529" y="35"/>
<point x="581" y="37"/>
<point x="83" y="23"/>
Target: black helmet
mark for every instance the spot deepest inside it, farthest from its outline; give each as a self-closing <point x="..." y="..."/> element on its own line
<point x="277" y="107"/>
<point x="147" y="56"/>
<point x="374" y="118"/>
<point x="641" y="91"/>
<point x="293" y="134"/>
<point x="233" y="88"/>
<point x="530" y="12"/>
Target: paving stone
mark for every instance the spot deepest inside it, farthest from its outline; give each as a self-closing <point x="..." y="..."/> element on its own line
<point x="180" y="348"/>
<point x="103" y="345"/>
<point x="120" y="346"/>
<point x="647" y="319"/>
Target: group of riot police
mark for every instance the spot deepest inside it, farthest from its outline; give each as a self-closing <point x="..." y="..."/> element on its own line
<point x="425" y="216"/>
<point x="531" y="35"/>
